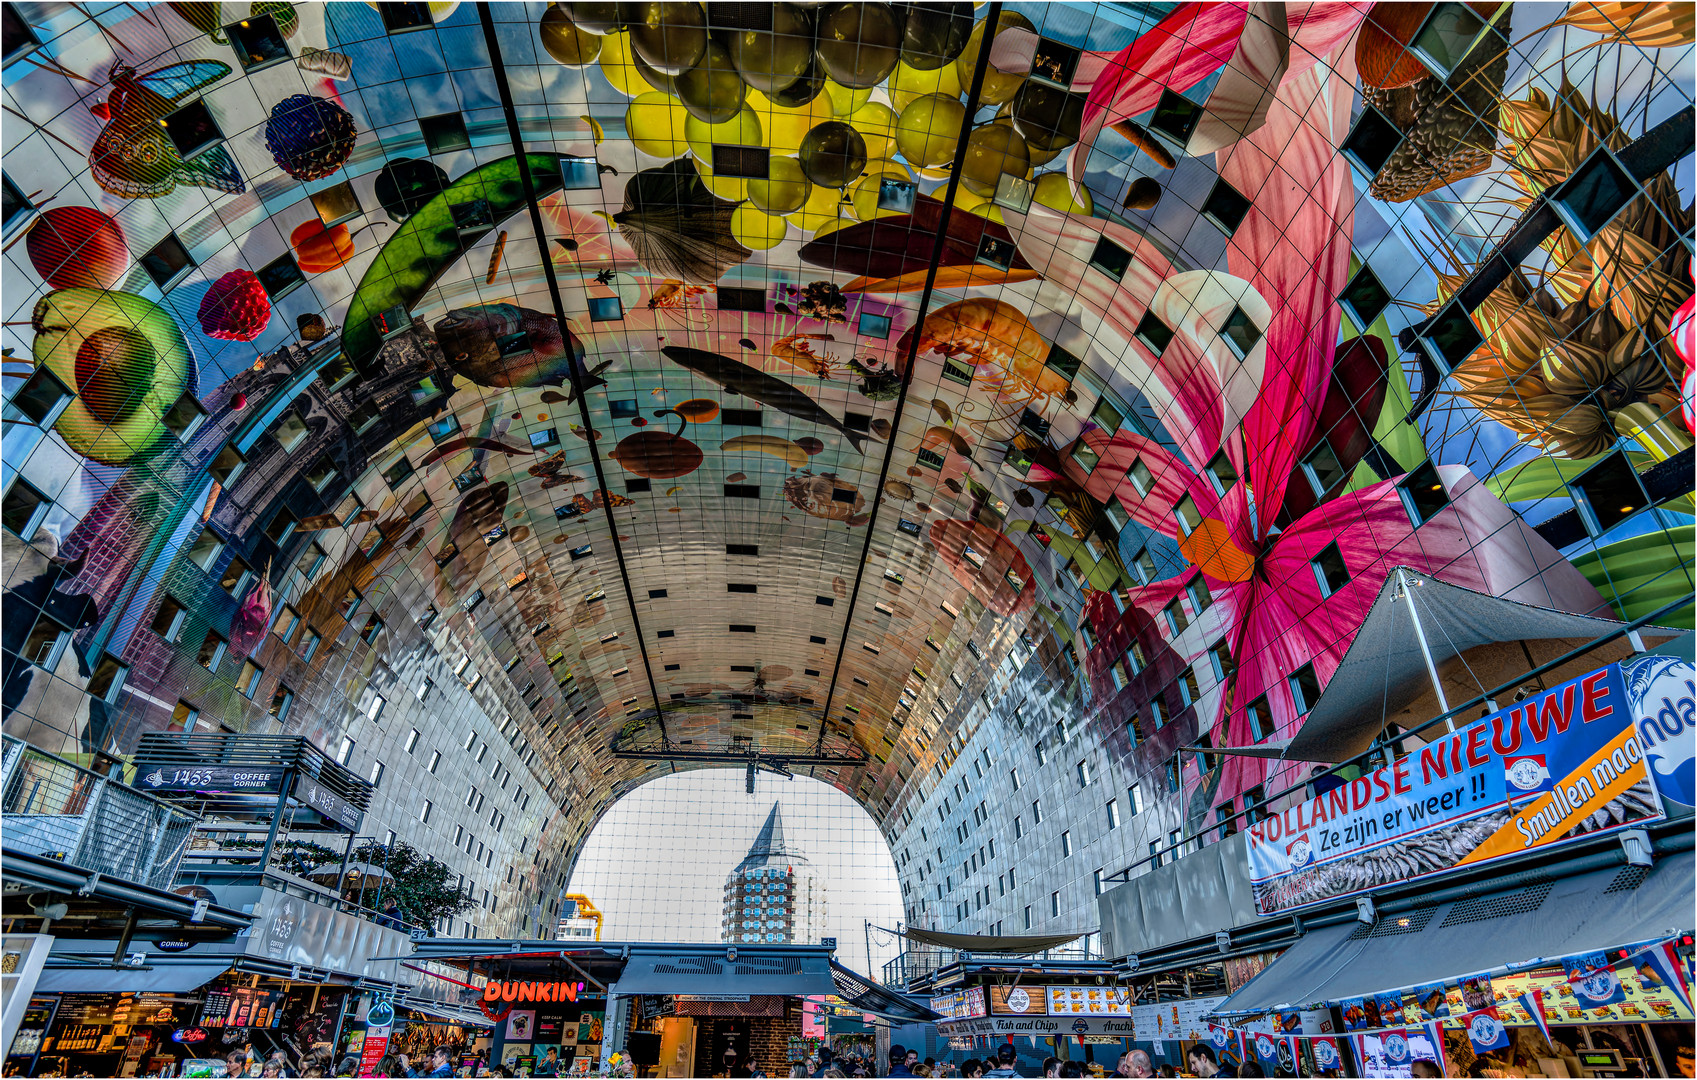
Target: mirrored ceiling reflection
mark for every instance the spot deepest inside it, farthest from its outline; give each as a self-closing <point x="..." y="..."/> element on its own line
<point x="784" y="377"/>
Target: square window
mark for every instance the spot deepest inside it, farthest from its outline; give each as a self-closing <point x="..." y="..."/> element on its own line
<point x="1364" y="299"/>
<point x="205" y="549"/>
<point x="1451" y="336"/>
<point x="1200" y="598"/>
<point x="1225" y="207"/>
<point x="1134" y="658"/>
<point x="235" y="578"/>
<point x="1189" y="518"/>
<point x="740" y="299"/>
<point x="397" y="473"/>
<point x="473" y="215"/>
<point x="1608" y="493"/>
<point x="309" y="643"/>
<point x="336" y="204"/>
<point x="1054" y="63"/>
<point x="167" y="262"/>
<point x="897" y="196"/>
<point x="248" y="681"/>
<point x="1063" y="363"/>
<point x="1449" y="34"/>
<point x="392" y="321"/>
<point x="226" y="466"/>
<point x="373" y="627"/>
<point x="211" y="651"/>
<point x="1371" y="142"/>
<point x="309" y="562"/>
<point x="1323" y="469"/>
<point x="1240" y="333"/>
<point x="444" y="133"/>
<point x="1154" y="333"/>
<point x="1260" y="717"/>
<point x="1423" y="493"/>
<point x="41" y="398"/>
<point x="1220" y="473"/>
<point x="638" y="486"/>
<point x="444" y="428"/>
<point x="1085" y="457"/>
<point x="744" y="162"/>
<point x="606" y="309"/>
<point x="1221" y="658"/>
<point x="1329" y="570"/>
<point x="19" y="38"/>
<point x="183" y="717"/>
<point x="291" y="431"/>
<point x="1176" y="117"/>
<point x="1034" y="424"/>
<point x="580" y="174"/>
<point x="403" y="19"/>
<point x="545" y="438"/>
<point x="1304" y="688"/>
<point x="1110" y="258"/>
<point x="281" y="526"/>
<point x="1189" y="690"/>
<point x="1594" y="194"/>
<point x="1176" y="620"/>
<point x="192" y="129"/>
<point x="874" y="326"/>
<point x="281" y="276"/>
<point x="108" y="679"/>
<point x="46" y="642"/>
<point x="997" y="253"/>
<point x="1014" y="192"/>
<point x="258" y="42"/>
<point x="23" y="509"/>
<point x="287" y="622"/>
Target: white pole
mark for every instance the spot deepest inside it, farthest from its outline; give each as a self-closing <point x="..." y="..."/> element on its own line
<point x="1425" y="650"/>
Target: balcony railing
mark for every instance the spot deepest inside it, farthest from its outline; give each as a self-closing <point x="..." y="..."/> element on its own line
<point x="65" y="812"/>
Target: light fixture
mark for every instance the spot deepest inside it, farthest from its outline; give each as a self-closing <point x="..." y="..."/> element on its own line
<point x="1636" y="844"/>
<point x="1365" y="912"/>
<point x="1223" y="940"/>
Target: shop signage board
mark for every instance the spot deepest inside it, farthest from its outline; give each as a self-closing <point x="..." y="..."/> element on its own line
<point x="213" y="779"/>
<point x="1519" y="779"/>
<point x="328" y="804"/>
<point x="1089" y="1001"/>
<point x="1164" y="1020"/>
<point x="1018" y="1001"/>
<point x="960" y="1005"/>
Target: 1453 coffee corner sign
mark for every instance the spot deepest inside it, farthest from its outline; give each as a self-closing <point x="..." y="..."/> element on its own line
<point x="1593" y="755"/>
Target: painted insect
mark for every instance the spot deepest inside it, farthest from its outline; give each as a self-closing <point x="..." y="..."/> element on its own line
<point x="134" y="157"/>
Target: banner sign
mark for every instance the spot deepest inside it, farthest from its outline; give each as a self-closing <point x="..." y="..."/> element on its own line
<point x="328" y="804"/>
<point x="1521" y="778"/>
<point x="213" y="779"/>
<point x="1166" y="1020"/>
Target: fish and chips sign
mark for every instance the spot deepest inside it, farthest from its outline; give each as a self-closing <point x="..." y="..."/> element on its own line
<point x="1588" y="754"/>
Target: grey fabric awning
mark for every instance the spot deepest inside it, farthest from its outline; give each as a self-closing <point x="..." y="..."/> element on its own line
<point x="754" y="974"/>
<point x="1543" y="921"/>
<point x="1384" y="662"/>
<point x="1015" y="946"/>
<point x="160" y="978"/>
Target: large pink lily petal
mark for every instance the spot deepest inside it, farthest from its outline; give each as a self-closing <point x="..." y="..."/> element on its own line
<point x="1294" y="248"/>
<point x="1173" y="480"/>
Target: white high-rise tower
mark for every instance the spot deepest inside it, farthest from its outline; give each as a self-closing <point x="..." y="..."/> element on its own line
<point x="774" y="895"/>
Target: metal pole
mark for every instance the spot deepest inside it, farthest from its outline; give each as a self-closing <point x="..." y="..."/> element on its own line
<point x="866" y="928"/>
<point x="1425" y="652"/>
<point x="342" y="877"/>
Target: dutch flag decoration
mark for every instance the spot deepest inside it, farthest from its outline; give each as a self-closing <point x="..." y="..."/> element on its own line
<point x="1664" y="964"/>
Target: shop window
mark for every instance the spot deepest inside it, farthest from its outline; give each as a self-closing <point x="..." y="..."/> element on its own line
<point x="168" y="620"/>
<point x="167" y="262"/>
<point x="1329" y="570"/>
<point x="444" y="133"/>
<point x="1423" y="494"/>
<point x="212" y="648"/>
<point x="1371" y="142"/>
<point x="282" y="700"/>
<point x="41" y="398"/>
<point x="1304" y="688"/>
<point x="1364" y="299"/>
<point x="24" y="509"/>
<point x="1608" y="493"/>
<point x="1226" y="207"/>
<point x="192" y="129"/>
<point x="46" y="642"/>
<point x="1323" y="469"/>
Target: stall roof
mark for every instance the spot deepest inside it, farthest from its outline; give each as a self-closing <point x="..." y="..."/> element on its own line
<point x="797" y="974"/>
<point x="1019" y="946"/>
<point x="1604" y="909"/>
<point x="868" y="996"/>
<point x="160" y="977"/>
<point x="1384" y="662"/>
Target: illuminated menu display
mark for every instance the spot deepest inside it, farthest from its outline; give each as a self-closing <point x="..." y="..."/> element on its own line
<point x="1089" y="1001"/>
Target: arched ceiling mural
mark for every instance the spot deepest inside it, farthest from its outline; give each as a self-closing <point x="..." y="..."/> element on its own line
<point x="784" y="377"/>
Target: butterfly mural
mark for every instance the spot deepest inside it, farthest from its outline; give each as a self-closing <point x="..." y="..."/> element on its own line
<point x="134" y="157"/>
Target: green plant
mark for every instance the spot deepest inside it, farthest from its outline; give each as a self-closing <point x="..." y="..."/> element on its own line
<point x="424" y="889"/>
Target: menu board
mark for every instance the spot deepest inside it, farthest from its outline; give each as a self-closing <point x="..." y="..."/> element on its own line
<point x="1089" y="1001"/>
<point x="960" y="1005"/>
<point x="242" y="1007"/>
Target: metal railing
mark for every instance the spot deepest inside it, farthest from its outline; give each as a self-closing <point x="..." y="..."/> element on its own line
<point x="62" y="811"/>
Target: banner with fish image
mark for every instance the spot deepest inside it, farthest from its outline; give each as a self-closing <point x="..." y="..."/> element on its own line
<point x="1571" y="761"/>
